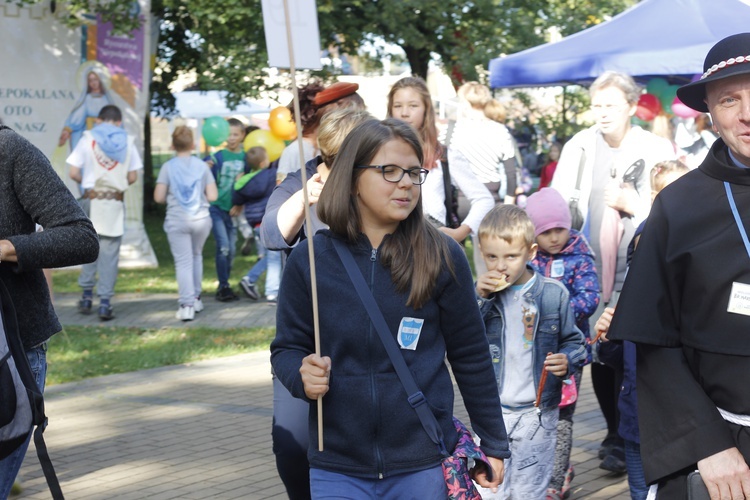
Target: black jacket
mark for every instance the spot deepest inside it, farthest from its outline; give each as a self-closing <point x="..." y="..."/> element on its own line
<point x="692" y="354"/>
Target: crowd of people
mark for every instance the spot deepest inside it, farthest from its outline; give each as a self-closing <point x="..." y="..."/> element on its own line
<point x="624" y="259"/>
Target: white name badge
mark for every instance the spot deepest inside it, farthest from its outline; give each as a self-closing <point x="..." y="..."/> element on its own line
<point x="557" y="269"/>
<point x="408" y="333"/>
<point x="739" y="299"/>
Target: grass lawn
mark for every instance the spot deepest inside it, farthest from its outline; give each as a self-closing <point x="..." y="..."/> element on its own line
<point x="83" y="352"/>
<point x="162" y="279"/>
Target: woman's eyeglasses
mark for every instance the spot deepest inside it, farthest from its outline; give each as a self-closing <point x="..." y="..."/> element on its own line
<point x="394" y="173"/>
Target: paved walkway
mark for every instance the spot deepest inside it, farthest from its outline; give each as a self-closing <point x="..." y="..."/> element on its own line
<point x="158" y="309"/>
<point x="202" y="430"/>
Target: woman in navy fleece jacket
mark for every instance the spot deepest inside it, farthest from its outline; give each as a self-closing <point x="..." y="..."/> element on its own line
<point x="372" y="436"/>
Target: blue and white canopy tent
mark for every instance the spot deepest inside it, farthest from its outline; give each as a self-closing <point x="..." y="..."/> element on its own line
<point x="667" y="38"/>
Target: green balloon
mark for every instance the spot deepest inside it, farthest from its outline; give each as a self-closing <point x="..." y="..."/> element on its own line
<point x="656" y="86"/>
<point x="215" y="130"/>
<point x="667" y="98"/>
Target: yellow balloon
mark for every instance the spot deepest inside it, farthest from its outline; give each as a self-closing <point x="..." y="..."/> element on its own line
<point x="281" y="124"/>
<point x="265" y="139"/>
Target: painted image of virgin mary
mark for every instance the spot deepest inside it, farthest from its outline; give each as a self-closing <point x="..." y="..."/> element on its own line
<point x="94" y="96"/>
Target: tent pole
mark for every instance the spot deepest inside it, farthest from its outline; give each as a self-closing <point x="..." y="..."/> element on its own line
<point x="563" y="115"/>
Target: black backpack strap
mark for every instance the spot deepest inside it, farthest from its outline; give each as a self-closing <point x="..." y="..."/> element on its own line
<point x="46" y="462"/>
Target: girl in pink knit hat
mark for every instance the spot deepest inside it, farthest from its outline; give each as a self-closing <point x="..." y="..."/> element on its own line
<point x="564" y="255"/>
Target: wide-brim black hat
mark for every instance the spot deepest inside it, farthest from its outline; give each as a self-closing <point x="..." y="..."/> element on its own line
<point x="729" y="57"/>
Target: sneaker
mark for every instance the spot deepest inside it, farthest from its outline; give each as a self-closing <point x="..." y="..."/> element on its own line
<point x="249" y="288"/>
<point x="186" y="313"/>
<point x="272" y="299"/>
<point x="106" y="312"/>
<point x="198" y="305"/>
<point x="84" y="305"/>
<point x="225" y="294"/>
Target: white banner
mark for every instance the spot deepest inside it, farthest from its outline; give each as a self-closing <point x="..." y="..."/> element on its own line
<point x="56" y="79"/>
<point x="303" y="20"/>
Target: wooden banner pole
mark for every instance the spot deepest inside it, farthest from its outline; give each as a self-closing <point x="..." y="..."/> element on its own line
<point x="308" y="223"/>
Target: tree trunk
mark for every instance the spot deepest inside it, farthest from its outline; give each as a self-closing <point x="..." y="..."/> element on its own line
<point x="419" y="60"/>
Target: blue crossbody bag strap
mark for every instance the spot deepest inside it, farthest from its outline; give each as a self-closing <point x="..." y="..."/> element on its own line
<point x="416" y="398"/>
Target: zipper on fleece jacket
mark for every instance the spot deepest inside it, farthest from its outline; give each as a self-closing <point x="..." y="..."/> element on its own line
<point x="373" y="392"/>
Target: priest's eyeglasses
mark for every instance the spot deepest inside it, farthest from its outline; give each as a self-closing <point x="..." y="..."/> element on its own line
<point x="394" y="173"/>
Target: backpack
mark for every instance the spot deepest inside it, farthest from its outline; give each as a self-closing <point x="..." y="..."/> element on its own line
<point x="21" y="401"/>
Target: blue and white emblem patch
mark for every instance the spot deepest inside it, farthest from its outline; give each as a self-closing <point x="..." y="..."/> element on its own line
<point x="408" y="333"/>
<point x="558" y="269"/>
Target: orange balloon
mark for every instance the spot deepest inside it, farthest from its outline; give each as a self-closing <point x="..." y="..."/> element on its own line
<point x="265" y="139"/>
<point x="282" y="126"/>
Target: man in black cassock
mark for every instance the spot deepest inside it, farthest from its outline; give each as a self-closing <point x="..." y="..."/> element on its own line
<point x="686" y="300"/>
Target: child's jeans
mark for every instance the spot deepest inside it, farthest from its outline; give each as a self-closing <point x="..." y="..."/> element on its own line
<point x="225" y="236"/>
<point x="270" y="263"/>
<point x="532" y="447"/>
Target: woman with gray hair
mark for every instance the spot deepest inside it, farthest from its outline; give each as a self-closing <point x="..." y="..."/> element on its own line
<point x="613" y="159"/>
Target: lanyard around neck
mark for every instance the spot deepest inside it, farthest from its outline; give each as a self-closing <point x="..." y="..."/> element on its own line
<point x="737" y="219"/>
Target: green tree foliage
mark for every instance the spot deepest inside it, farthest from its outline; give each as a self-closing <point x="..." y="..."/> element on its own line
<point x="465" y="35"/>
<point x="223" y="43"/>
<point x="462" y="34"/>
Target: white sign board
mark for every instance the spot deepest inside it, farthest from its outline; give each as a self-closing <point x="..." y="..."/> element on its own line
<point x="303" y="20"/>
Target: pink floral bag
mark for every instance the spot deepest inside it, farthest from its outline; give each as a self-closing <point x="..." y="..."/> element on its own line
<point x="456" y="467"/>
<point x="569" y="392"/>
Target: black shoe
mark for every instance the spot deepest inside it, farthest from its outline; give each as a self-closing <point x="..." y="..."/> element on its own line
<point x="106" y="312"/>
<point x="225" y="294"/>
<point x="610" y="441"/>
<point x="84" y="305"/>
<point x="615" y="461"/>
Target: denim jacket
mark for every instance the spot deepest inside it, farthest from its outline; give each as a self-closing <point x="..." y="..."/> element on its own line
<point x="555" y="331"/>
